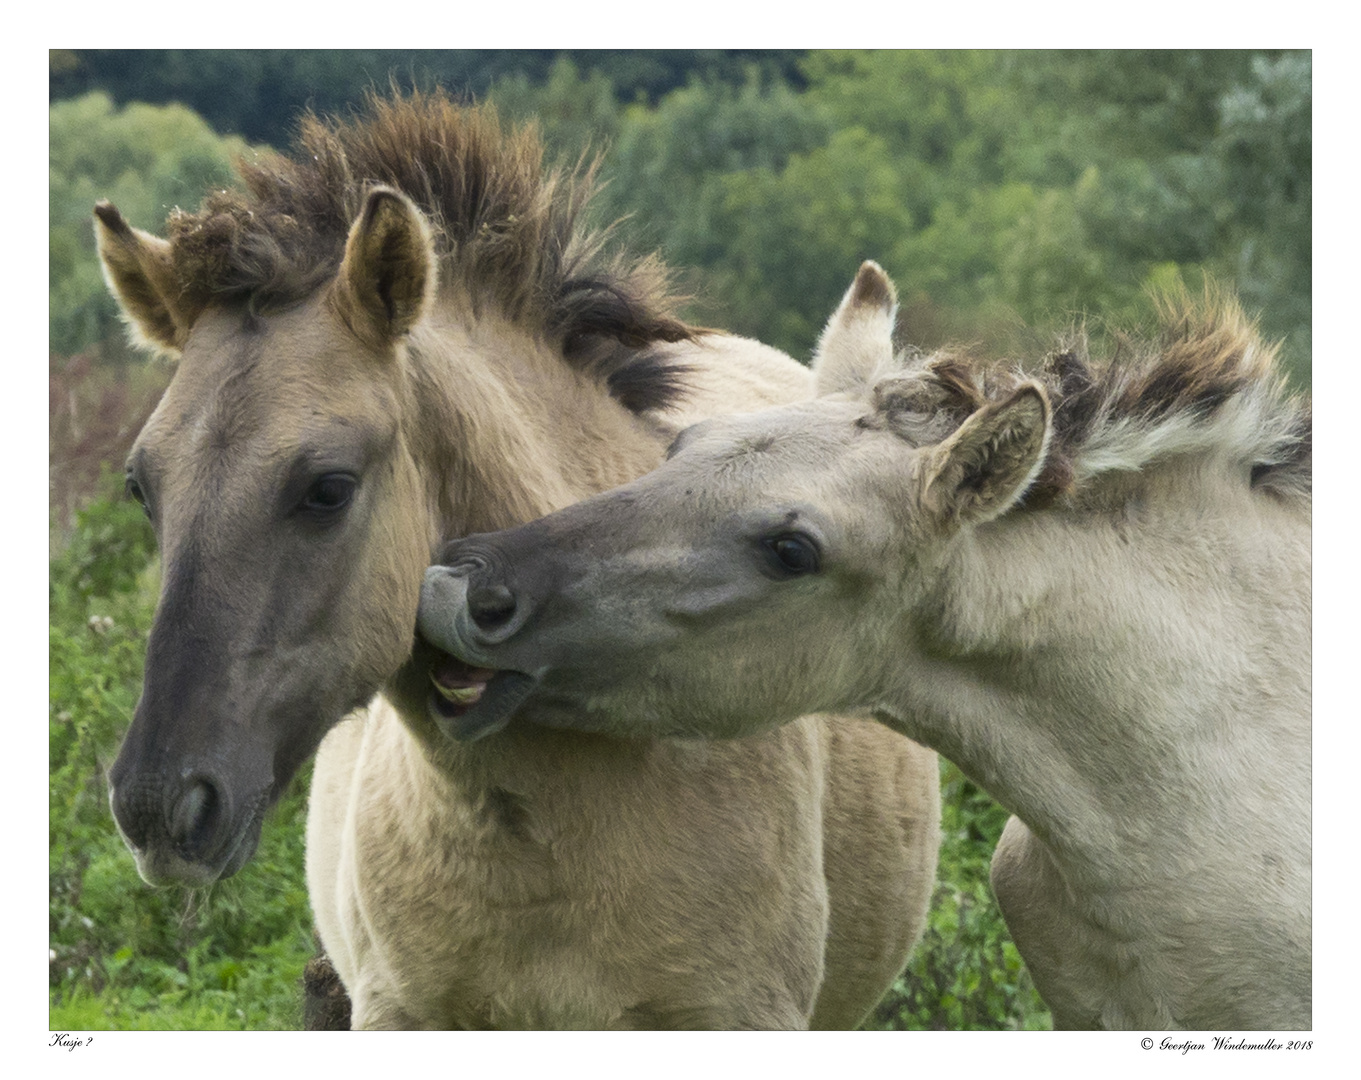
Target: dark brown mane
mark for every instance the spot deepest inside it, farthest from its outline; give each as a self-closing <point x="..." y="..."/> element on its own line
<point x="508" y="232"/>
<point x="1205" y="382"/>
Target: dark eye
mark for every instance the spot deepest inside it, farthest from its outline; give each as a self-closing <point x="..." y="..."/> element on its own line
<point x="793" y="554"/>
<point x="329" y="494"/>
<point x="135" y="492"/>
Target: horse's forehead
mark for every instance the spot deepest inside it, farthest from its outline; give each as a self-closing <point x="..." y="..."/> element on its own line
<point x="242" y="376"/>
<point x="811" y="435"/>
<point x="811" y="452"/>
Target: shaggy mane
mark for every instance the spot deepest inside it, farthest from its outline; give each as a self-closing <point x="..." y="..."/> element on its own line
<point x="508" y="233"/>
<point x="1205" y="384"/>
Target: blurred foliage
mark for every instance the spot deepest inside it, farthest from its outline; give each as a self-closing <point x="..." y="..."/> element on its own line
<point x="998" y="189"/>
<point x="258" y="93"/>
<point x="111" y="545"/>
<point x="145" y="160"/>
<point x="94" y="412"/>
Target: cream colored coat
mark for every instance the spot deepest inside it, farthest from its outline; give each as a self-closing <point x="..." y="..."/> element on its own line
<point x="1104" y="621"/>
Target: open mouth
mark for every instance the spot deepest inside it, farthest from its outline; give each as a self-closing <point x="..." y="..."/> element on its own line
<point x="468" y="703"/>
<point x="458" y="686"/>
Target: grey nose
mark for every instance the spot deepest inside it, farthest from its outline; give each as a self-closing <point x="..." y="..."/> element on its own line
<point x="464" y="609"/>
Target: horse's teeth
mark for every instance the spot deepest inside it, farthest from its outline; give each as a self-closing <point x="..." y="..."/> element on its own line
<point x="459" y="695"/>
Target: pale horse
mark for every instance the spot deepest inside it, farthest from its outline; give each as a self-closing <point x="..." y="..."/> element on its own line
<point x="1090" y="589"/>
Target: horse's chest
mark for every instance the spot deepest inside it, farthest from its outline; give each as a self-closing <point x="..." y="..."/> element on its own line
<point x="468" y="910"/>
<point x="614" y="897"/>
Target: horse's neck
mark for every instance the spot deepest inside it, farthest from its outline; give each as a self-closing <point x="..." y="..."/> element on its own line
<point x="503" y="432"/>
<point x="508" y="432"/>
<point x="1103" y="672"/>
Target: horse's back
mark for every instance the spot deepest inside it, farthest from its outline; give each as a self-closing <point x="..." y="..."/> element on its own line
<point x="728" y="374"/>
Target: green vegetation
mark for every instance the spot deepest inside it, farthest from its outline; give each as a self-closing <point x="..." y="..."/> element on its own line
<point x="144" y="159"/>
<point x="1000" y="190"/>
<point x="256" y="93"/>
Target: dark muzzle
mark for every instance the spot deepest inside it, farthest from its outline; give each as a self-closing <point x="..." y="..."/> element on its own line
<point x="193" y="818"/>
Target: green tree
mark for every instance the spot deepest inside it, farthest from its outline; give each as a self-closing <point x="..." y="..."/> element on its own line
<point x="1030" y="187"/>
<point x="668" y="165"/>
<point x="145" y="159"/>
<point x="576" y="114"/>
<point x="1264" y="149"/>
<point x="794" y="235"/>
<point x="258" y="93"/>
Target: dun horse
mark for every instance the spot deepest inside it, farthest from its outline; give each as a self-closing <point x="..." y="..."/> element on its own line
<point x="401" y="335"/>
<point x="1090" y="590"/>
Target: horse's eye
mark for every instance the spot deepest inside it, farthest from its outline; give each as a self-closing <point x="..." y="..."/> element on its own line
<point x="134" y="490"/>
<point x="793" y="554"/>
<point x="329" y="493"/>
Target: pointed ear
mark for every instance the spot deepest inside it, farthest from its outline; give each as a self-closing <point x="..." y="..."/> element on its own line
<point x="857" y="344"/>
<point x="984" y="468"/>
<point x="389" y="273"/>
<point x="139" y="273"/>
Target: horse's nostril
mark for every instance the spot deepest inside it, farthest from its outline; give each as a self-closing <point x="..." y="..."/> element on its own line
<point x="491" y="606"/>
<point x="192" y="818"/>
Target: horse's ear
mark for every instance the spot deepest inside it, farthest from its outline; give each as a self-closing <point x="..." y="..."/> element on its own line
<point x="857" y="345"/>
<point x="984" y="468"/>
<point x="389" y="272"/>
<point x="139" y="273"/>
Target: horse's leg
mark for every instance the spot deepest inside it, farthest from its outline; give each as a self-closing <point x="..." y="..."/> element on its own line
<point x="326" y="1006"/>
<point x="1050" y="934"/>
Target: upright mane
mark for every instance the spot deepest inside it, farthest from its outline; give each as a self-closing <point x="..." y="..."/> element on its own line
<point x="509" y="233"/>
<point x="1205" y="383"/>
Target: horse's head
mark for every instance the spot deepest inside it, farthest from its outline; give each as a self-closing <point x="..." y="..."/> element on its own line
<point x="278" y="474"/>
<point x="753" y="576"/>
